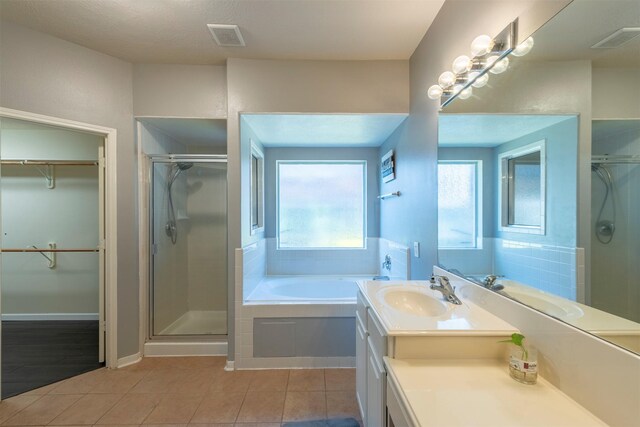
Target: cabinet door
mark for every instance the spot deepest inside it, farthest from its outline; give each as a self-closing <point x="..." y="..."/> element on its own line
<point x="361" y="369"/>
<point x="376" y="407"/>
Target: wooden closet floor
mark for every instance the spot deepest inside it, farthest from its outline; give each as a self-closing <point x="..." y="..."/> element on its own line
<point x="37" y="353"/>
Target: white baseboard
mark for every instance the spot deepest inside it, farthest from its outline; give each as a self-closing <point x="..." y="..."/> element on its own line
<point x="129" y="360"/>
<point x="230" y="366"/>
<point x="185" y="348"/>
<point x="50" y="316"/>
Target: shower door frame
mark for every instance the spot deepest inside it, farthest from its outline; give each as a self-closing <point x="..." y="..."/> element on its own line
<point x="151" y="160"/>
<point x="109" y="224"/>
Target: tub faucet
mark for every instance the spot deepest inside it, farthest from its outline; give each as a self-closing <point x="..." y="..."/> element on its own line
<point x="490" y="283"/>
<point x="442" y="284"/>
<point x="386" y="265"/>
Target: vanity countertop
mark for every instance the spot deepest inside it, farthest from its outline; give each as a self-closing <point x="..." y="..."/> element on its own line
<point x="479" y="393"/>
<point x="467" y="319"/>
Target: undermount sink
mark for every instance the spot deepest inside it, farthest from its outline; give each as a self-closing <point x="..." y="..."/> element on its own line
<point x="413" y="302"/>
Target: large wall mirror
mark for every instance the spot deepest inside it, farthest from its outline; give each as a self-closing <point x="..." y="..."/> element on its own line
<point x="539" y="174"/>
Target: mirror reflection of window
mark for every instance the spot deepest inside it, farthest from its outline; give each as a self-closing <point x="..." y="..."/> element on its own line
<point x="458" y="204"/>
<point x="525" y="190"/>
<point x="257" y="189"/>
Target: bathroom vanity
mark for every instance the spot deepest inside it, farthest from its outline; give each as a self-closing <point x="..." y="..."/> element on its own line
<point x="408" y="320"/>
<point x="422" y="361"/>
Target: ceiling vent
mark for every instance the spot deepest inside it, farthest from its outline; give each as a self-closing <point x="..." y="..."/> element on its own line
<point x="618" y="38"/>
<point x="226" y="35"/>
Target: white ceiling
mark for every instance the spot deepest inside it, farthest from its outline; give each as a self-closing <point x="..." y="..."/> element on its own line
<point x="490" y="130"/>
<point x="583" y="23"/>
<point x="323" y="130"/>
<point x="192" y="132"/>
<point x="174" y="31"/>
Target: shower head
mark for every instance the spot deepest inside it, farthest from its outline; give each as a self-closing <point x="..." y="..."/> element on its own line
<point x="183" y="166"/>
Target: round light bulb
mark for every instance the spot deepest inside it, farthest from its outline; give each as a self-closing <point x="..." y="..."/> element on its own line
<point x="461" y="64"/>
<point x="465" y="93"/>
<point x="446" y="79"/>
<point x="456" y="89"/>
<point x="481" y="45"/>
<point x="499" y="66"/>
<point x="479" y="81"/>
<point x="434" y="92"/>
<point x="523" y="48"/>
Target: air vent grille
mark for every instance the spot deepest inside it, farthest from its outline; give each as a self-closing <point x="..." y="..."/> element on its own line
<point x="226" y="35"/>
<point x="617" y="39"/>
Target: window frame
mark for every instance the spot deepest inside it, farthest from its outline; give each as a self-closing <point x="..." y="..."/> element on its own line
<point x="256" y="153"/>
<point x="479" y="204"/>
<point x="505" y="194"/>
<point x="362" y="163"/>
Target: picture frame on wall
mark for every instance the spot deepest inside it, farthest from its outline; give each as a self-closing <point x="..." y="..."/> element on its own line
<point x="388" y="167"/>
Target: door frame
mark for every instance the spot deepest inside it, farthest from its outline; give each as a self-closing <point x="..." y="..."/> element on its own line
<point x="110" y="244"/>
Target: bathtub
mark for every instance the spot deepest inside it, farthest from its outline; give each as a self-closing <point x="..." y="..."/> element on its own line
<point x="306" y="289"/>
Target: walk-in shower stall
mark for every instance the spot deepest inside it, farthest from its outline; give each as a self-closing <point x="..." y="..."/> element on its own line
<point x="188" y="259"/>
<point x="615" y="203"/>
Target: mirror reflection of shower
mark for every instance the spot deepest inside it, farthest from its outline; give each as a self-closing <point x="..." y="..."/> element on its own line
<point x="171" y="228"/>
<point x="605" y="228"/>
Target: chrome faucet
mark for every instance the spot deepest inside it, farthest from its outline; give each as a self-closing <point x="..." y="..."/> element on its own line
<point x="490" y="283"/>
<point x="386" y="265"/>
<point x="442" y="284"/>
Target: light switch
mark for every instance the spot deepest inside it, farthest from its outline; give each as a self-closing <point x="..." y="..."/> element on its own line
<point x="416" y="249"/>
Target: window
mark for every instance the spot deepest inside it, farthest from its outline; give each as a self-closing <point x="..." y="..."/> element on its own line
<point x="321" y="205"/>
<point x="257" y="192"/>
<point x="523" y="190"/>
<point x="459" y="204"/>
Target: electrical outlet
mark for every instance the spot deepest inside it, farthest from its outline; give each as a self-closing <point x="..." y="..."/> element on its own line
<point x="416" y="249"/>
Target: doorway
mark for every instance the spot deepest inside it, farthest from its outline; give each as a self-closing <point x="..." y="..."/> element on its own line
<point x="55" y="276"/>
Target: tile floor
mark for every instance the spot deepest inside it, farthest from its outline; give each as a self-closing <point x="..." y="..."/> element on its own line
<point x="181" y="391"/>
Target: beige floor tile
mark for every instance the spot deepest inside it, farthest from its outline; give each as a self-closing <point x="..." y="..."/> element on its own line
<point x="340" y="379"/>
<point x="256" y="425"/>
<point x="262" y="406"/>
<point x="219" y="407"/>
<point x="174" y="408"/>
<point x="304" y="405"/>
<point x="119" y="425"/>
<point x="158" y="382"/>
<point x="117" y="382"/>
<point x="131" y="409"/>
<point x="165" y="425"/>
<point x="194" y="381"/>
<point x="270" y="380"/>
<point x="82" y="384"/>
<point x="43" y="390"/>
<point x="214" y="425"/>
<point x="342" y="404"/>
<point x="306" y="380"/>
<point x="233" y="381"/>
<point x="43" y="410"/>
<point x="11" y="406"/>
<point x="88" y="410"/>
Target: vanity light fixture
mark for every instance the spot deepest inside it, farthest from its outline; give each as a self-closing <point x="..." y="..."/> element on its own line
<point x="487" y="55"/>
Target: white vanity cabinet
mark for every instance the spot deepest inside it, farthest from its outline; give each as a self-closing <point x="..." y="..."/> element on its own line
<point x="371" y="347"/>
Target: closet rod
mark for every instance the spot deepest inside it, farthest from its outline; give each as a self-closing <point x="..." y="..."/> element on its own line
<point x="27" y="250"/>
<point x="50" y="162"/>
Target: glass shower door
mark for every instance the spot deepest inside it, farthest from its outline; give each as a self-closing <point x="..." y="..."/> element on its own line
<point x="188" y="246"/>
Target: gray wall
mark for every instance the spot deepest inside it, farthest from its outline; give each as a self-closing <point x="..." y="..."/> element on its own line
<point x="272" y="155"/>
<point x="413" y="216"/>
<point x="167" y="90"/>
<point x="46" y="75"/>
